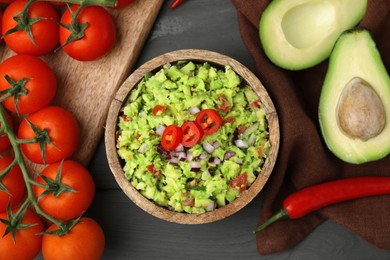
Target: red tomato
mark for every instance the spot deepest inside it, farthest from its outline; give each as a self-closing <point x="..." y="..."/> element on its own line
<point x="63" y="131"/>
<point x="28" y="240"/>
<point x="209" y="120"/>
<point x="99" y="36"/>
<point x="223" y="104"/>
<point x="171" y="137"/>
<point x="240" y="182"/>
<point x="123" y="3"/>
<point x="192" y="134"/>
<point x="68" y="205"/>
<point x="84" y="241"/>
<point x="45" y="31"/>
<point x="13" y="182"/>
<point x="41" y="84"/>
<point x="158" y="110"/>
<point x="4" y="140"/>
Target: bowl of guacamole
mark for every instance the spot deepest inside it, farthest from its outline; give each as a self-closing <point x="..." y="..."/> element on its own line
<point x="192" y="136"/>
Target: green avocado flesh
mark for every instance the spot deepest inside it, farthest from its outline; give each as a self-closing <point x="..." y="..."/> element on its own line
<point x="298" y="34"/>
<point x="205" y="176"/>
<point x="354" y="108"/>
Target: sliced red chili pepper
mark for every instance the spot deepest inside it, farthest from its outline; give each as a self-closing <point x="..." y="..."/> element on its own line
<point x="192" y="134"/>
<point x="209" y="120"/>
<point x="171" y="137"/>
<point x="175" y="3"/>
<point x="239" y="182"/>
<point x="158" y="110"/>
<point x="312" y="198"/>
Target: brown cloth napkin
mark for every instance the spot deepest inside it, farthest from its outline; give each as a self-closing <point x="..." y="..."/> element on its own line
<point x="303" y="158"/>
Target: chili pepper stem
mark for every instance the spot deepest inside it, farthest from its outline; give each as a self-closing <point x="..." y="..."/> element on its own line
<point x="281" y="214"/>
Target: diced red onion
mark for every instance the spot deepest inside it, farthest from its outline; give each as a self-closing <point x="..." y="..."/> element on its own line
<point x="179" y="148"/>
<point x="190" y="157"/>
<point x="194" y="110"/>
<point x="203" y="156"/>
<point x="181" y="156"/>
<point x="214" y="160"/>
<point x="208" y="147"/>
<point x="228" y="155"/>
<point x="211" y="206"/>
<point x="195" y="166"/>
<point x="160" y="129"/>
<point x="174" y="160"/>
<point x="216" y="144"/>
<point x="240" y="143"/>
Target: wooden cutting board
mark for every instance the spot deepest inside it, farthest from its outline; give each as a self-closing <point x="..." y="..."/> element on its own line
<point x="87" y="88"/>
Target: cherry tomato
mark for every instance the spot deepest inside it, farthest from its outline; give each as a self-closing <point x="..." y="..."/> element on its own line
<point x="239" y="182"/>
<point x="192" y="134"/>
<point x="28" y="240"/>
<point x="5" y="144"/>
<point x="68" y="205"/>
<point x="171" y="137"/>
<point x="45" y="31"/>
<point x="63" y="131"/>
<point x="41" y="84"/>
<point x="123" y="3"/>
<point x="158" y="110"/>
<point x="13" y="182"/>
<point x="84" y="241"/>
<point x="99" y="36"/>
<point x="209" y="120"/>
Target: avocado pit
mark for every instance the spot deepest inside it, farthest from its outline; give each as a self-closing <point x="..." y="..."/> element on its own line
<point x="360" y="111"/>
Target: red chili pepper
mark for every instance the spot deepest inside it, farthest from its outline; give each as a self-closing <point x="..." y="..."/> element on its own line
<point x="171" y="137"/>
<point x="209" y="120"/>
<point x="312" y="198"/>
<point x="175" y="3"/>
<point x="192" y="134"/>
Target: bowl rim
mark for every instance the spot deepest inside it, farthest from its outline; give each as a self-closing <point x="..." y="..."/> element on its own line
<point x="197" y="55"/>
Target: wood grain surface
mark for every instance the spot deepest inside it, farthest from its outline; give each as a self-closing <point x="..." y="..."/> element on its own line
<point x="86" y="88"/>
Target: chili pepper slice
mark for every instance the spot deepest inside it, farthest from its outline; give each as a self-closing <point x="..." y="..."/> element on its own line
<point x="239" y="182"/>
<point x="171" y="137"/>
<point x="175" y="3"/>
<point x="312" y="198"/>
<point x="192" y="134"/>
<point x="158" y="110"/>
<point x="209" y="120"/>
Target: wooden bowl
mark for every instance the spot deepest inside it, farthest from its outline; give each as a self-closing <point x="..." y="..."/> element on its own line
<point x="115" y="162"/>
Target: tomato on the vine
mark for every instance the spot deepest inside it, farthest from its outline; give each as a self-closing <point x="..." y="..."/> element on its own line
<point x="5" y="144"/>
<point x="28" y="240"/>
<point x="123" y="3"/>
<point x="99" y="35"/>
<point x="34" y="78"/>
<point x="61" y="128"/>
<point x="71" y="203"/>
<point x="44" y="32"/>
<point x="13" y="182"/>
<point x="84" y="241"/>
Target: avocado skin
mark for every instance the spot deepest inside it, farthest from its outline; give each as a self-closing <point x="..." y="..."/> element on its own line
<point x="355" y="55"/>
<point x="340" y="15"/>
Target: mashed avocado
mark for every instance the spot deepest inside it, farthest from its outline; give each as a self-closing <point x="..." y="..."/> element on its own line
<point x="213" y="172"/>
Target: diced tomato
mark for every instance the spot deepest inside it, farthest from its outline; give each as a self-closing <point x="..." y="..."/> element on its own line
<point x="171" y="137"/>
<point x="256" y="104"/>
<point x="153" y="171"/>
<point x="240" y="182"/>
<point x="192" y="134"/>
<point x="229" y="119"/>
<point x="241" y="129"/>
<point x="158" y="110"/>
<point x="224" y="105"/>
<point x="209" y="120"/>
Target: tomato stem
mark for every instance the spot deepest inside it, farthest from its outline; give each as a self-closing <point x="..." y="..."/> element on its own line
<point x="26" y="176"/>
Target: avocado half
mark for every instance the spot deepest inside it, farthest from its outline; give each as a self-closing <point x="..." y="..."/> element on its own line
<point x="354" y="107"/>
<point x="298" y="34"/>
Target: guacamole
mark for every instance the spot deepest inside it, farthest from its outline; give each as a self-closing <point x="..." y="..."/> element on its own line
<point x="216" y="169"/>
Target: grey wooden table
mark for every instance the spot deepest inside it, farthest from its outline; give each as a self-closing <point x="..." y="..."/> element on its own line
<point x="133" y="234"/>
